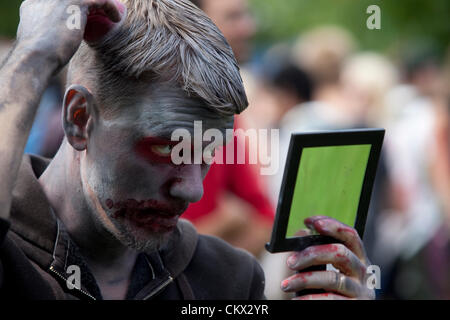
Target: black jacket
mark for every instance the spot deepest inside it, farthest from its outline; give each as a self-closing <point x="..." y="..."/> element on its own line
<point x="35" y="252"/>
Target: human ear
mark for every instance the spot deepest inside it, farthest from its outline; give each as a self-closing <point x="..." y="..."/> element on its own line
<point x="78" y="113"/>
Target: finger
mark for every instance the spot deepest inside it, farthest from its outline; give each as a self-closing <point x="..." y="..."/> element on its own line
<point x="330" y="227"/>
<point x="303" y="233"/>
<point x="322" y="296"/>
<point x="336" y="254"/>
<point x="114" y="9"/>
<point x="326" y="280"/>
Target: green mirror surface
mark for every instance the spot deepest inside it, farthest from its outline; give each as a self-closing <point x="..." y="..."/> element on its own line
<point x="329" y="182"/>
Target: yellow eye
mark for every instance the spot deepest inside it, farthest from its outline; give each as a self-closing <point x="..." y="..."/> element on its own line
<point x="163" y="150"/>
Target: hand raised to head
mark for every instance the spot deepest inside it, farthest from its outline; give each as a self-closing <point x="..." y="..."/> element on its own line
<point x="55" y="28"/>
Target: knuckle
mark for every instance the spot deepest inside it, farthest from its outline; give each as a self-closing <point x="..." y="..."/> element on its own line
<point x="342" y="251"/>
<point x="348" y="230"/>
<point x="308" y="252"/>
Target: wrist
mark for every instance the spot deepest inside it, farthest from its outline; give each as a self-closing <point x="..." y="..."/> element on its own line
<point x="38" y="59"/>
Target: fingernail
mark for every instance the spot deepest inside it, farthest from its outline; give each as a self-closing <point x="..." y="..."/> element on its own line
<point x="285" y="284"/>
<point x="309" y="222"/>
<point x="323" y="225"/>
<point x="320" y="223"/>
<point x="292" y="260"/>
<point x="309" y="225"/>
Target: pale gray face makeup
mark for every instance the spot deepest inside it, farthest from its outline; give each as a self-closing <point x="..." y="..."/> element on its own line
<point x="172" y="110"/>
<point x="140" y="193"/>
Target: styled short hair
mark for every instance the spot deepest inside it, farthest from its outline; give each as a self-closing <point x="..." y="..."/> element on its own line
<point x="163" y="40"/>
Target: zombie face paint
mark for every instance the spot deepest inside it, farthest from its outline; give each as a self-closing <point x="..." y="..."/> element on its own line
<point x="152" y="215"/>
<point x="155" y="150"/>
<point x="127" y="174"/>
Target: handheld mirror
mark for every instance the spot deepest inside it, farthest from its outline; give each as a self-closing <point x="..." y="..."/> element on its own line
<point x="327" y="173"/>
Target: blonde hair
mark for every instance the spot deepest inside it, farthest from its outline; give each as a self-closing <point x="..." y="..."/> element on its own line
<point x="322" y="51"/>
<point x="164" y="40"/>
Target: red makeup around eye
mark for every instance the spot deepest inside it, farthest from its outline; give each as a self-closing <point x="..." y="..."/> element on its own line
<point x="144" y="149"/>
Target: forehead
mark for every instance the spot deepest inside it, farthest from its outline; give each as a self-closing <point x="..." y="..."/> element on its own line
<point x="162" y="109"/>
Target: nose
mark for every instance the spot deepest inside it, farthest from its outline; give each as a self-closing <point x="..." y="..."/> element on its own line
<point x="189" y="184"/>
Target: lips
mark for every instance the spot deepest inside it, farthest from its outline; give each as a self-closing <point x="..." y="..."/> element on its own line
<point x="147" y="214"/>
<point x="148" y="219"/>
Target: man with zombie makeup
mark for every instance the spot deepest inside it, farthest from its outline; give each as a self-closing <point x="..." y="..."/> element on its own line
<point x="109" y="203"/>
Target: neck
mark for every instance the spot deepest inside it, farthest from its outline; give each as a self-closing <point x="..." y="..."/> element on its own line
<point x="61" y="183"/>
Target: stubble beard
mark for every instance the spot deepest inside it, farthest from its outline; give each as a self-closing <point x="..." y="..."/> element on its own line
<point x="138" y="239"/>
<point x="124" y="231"/>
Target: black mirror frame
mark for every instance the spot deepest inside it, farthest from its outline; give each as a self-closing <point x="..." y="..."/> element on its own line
<point x="374" y="137"/>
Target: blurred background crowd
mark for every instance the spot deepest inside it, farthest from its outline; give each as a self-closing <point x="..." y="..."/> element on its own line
<point x="314" y="65"/>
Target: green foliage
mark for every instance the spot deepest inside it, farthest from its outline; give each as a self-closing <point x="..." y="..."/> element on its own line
<point x="9" y="17"/>
<point x="402" y="21"/>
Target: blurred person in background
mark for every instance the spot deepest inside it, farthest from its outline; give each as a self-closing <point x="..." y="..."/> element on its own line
<point x="234" y="19"/>
<point x="415" y="245"/>
<point x="235" y="205"/>
<point x="366" y="80"/>
<point x="425" y="273"/>
<point x="285" y="86"/>
<point x="349" y="87"/>
<point x="321" y="53"/>
<point x="289" y="86"/>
